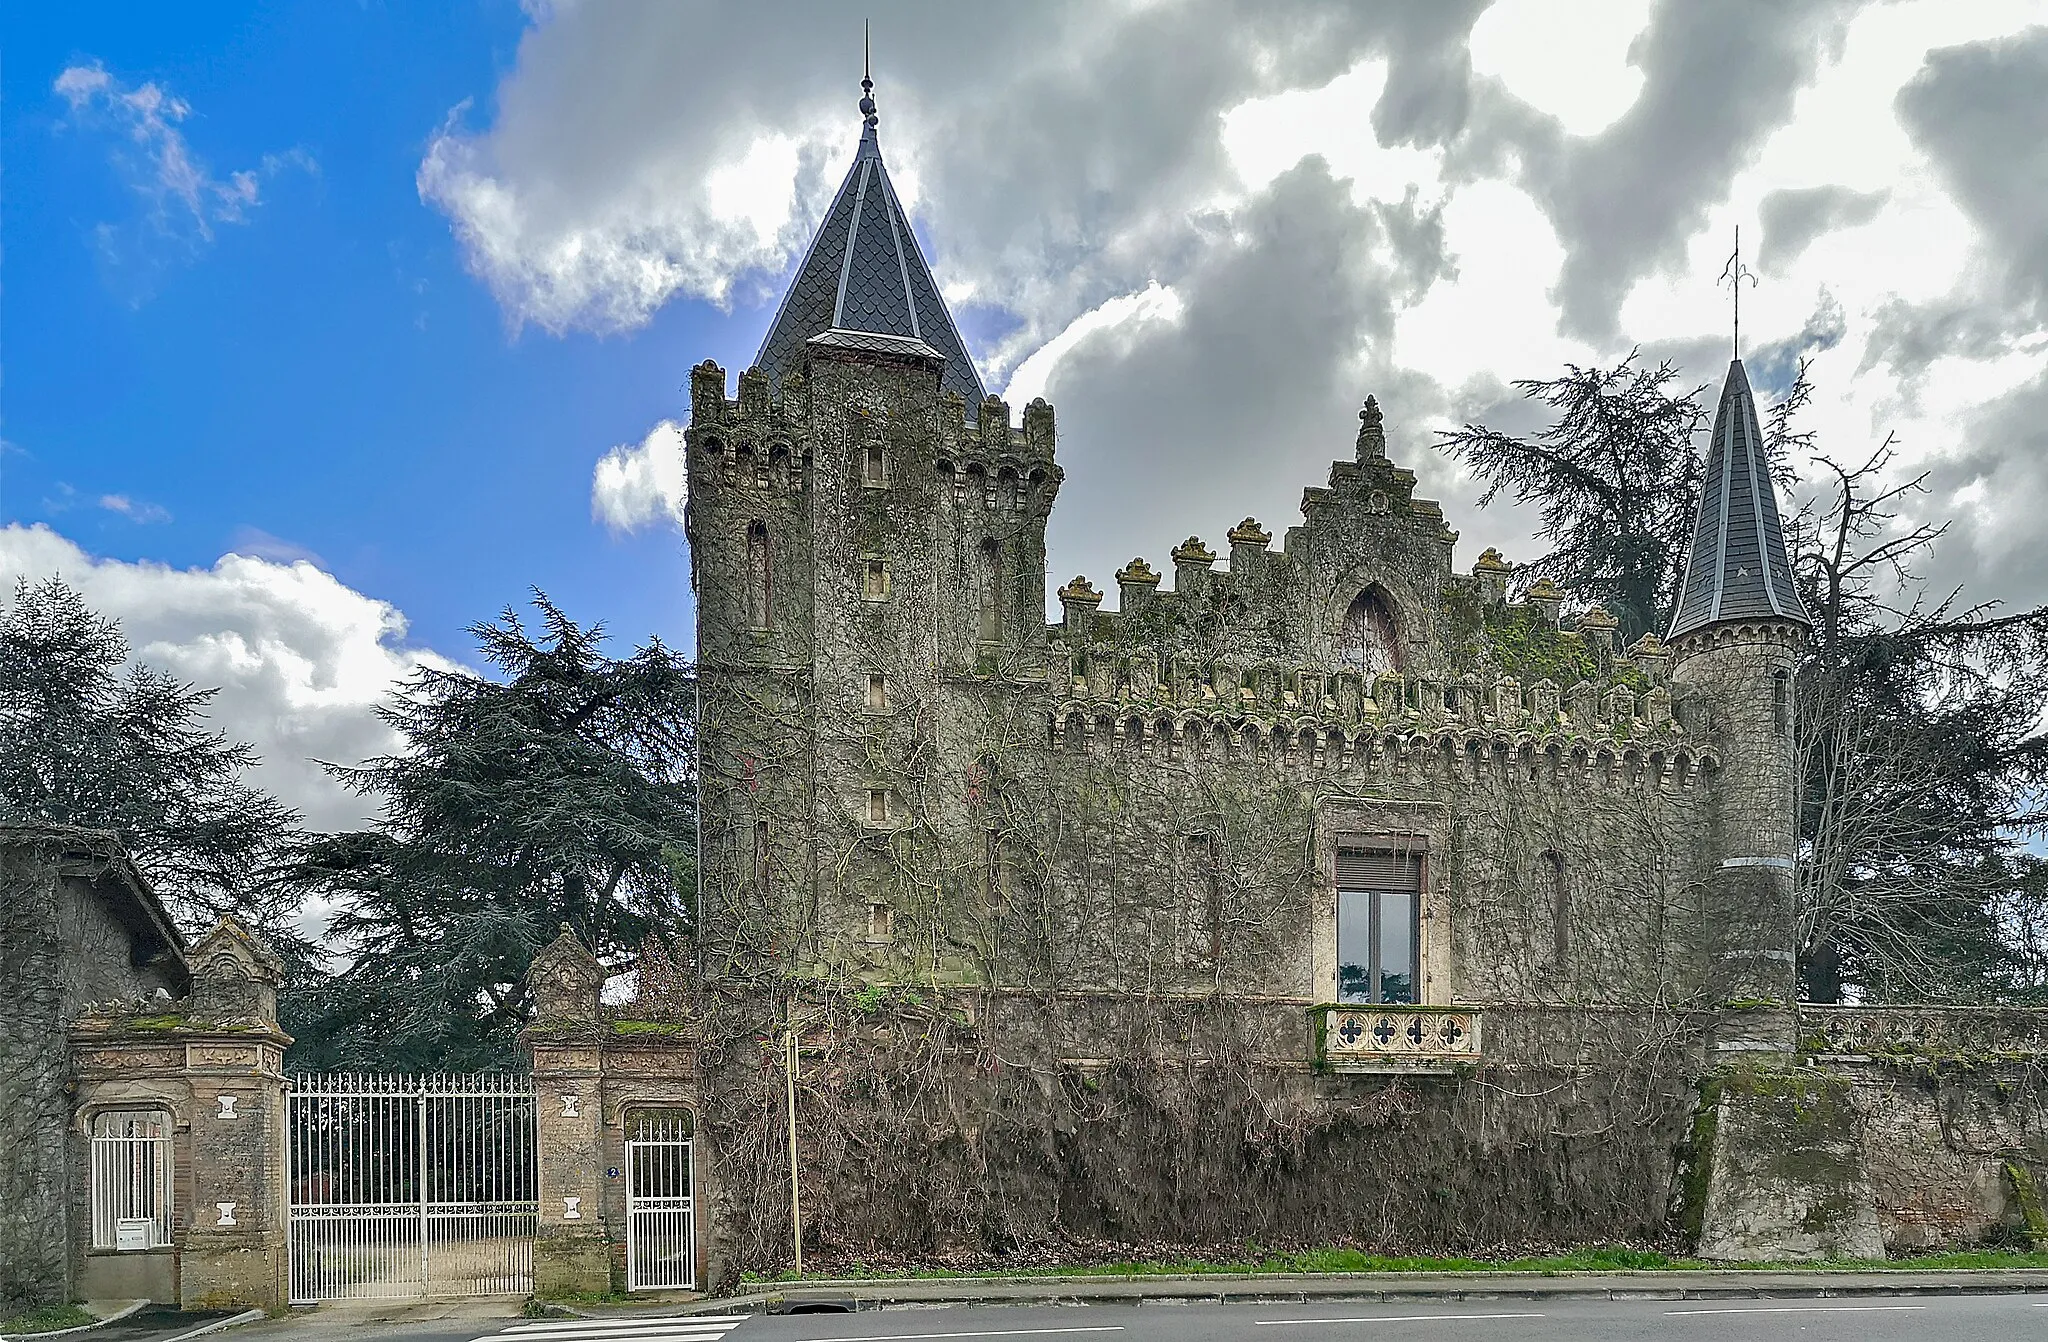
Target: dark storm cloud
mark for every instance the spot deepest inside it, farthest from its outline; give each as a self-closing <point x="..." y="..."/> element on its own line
<point x="1980" y="111"/>
<point x="1083" y="174"/>
<point x="1998" y="554"/>
<point x="1719" y="78"/>
<point x="1909" y="337"/>
<point x="1793" y="218"/>
<point x="1172" y="430"/>
<point x="1429" y="74"/>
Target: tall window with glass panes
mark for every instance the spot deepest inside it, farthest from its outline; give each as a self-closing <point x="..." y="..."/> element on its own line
<point x="1379" y="903"/>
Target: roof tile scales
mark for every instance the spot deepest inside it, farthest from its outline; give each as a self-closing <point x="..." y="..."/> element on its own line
<point x="865" y="276"/>
<point x="1738" y="568"/>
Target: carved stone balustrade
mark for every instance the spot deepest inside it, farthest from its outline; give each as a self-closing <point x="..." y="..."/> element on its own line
<point x="1375" y="1038"/>
<point x="1923" y="1033"/>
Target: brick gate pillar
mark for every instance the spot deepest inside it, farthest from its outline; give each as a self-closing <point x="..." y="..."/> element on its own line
<point x="213" y="1063"/>
<point x="571" y="1252"/>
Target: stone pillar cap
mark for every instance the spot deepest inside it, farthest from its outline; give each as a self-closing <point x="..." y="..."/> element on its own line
<point x="1081" y="591"/>
<point x="1137" y="571"/>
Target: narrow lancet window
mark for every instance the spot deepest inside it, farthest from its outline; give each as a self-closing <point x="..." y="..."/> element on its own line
<point x="1560" y="906"/>
<point x="757" y="576"/>
<point x="988" y="591"/>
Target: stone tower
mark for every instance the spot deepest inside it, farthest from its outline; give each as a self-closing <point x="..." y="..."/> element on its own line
<point x="1734" y="644"/>
<point x="865" y="527"/>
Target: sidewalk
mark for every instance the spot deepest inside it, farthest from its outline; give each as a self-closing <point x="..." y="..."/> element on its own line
<point x="1219" y="1288"/>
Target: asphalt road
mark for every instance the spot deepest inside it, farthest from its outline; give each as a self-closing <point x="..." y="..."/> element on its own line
<point x="1885" y="1319"/>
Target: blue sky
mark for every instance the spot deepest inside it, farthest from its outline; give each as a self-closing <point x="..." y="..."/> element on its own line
<point x="323" y="376"/>
<point x="327" y="330"/>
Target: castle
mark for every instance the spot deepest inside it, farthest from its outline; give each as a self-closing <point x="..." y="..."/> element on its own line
<point x="1335" y="773"/>
<point x="1323" y="892"/>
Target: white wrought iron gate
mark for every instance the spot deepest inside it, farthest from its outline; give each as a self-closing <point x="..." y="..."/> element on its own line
<point x="661" y="1225"/>
<point x="411" y="1186"/>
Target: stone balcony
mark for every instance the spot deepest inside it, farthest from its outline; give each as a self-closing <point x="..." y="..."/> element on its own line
<point x="1372" y="1038"/>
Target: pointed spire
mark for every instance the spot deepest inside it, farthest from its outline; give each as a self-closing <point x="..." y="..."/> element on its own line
<point x="864" y="284"/>
<point x="1738" y="568"/>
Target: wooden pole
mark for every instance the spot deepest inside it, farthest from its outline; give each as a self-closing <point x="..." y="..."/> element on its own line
<point x="796" y="1211"/>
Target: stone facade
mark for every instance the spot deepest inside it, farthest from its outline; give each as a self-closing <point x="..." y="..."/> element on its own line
<point x="78" y="924"/>
<point x="104" y="1011"/>
<point x="213" y="1062"/>
<point x="1121" y="840"/>
<point x="593" y="1073"/>
<point x="1151" y="799"/>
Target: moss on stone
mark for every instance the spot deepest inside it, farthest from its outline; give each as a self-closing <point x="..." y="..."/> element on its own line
<point x="2028" y="1195"/>
<point x="649" y="1027"/>
<point x="1696" y="1161"/>
<point x="1529" y="648"/>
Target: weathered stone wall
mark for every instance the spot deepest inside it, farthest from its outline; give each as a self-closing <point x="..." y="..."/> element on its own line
<point x="911" y="785"/>
<point x="1177" y="1126"/>
<point x="35" y="1175"/>
<point x="1952" y="1105"/>
<point x="213" y="1060"/>
<point x="905" y="778"/>
<point x="64" y="942"/>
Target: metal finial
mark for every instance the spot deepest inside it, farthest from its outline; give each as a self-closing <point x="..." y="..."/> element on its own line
<point x="867" y="80"/>
<point x="1735" y="273"/>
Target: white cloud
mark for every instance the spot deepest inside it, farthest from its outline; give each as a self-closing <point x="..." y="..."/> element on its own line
<point x="135" y="510"/>
<point x="1154" y="303"/>
<point x="1266" y="136"/>
<point x="184" y="194"/>
<point x="1547" y="183"/>
<point x="1496" y="319"/>
<point x="639" y="484"/>
<point x="300" y="658"/>
<point x="1572" y="63"/>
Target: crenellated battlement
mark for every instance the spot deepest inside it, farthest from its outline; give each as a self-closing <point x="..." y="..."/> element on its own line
<point x="1414" y="750"/>
<point x="759" y="439"/>
<point x="1622" y="705"/>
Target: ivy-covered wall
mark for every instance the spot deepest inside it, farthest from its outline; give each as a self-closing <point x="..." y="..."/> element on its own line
<point x="916" y="789"/>
<point x="73" y="930"/>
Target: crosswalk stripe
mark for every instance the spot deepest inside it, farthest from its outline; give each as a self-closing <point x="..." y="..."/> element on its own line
<point x="587" y="1325"/>
<point x="626" y="1335"/>
<point x="669" y="1329"/>
<point x="670" y="1334"/>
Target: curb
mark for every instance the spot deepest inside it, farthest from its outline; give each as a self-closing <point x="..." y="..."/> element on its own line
<point x="246" y="1316"/>
<point x="131" y="1307"/>
<point x="1303" y="1289"/>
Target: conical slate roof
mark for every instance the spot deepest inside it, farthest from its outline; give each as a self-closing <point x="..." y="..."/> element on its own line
<point x="865" y="285"/>
<point x="1738" y="568"/>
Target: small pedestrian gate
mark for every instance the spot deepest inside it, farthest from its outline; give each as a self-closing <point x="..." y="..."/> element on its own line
<point x="661" y="1226"/>
<point x="411" y="1186"/>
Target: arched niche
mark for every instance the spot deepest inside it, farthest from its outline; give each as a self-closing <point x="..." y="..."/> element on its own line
<point x="1368" y="639"/>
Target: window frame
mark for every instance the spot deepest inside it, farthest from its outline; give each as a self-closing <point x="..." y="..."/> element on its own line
<point x="875" y="568"/>
<point x="1399" y="846"/>
<point x="133" y="1173"/>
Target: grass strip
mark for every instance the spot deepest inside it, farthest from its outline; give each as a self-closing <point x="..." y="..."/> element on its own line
<point x="1601" y="1258"/>
<point x="47" y="1319"/>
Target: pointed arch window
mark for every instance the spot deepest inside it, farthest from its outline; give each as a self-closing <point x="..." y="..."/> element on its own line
<point x="1369" y="640"/>
<point x="757" y="576"/>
